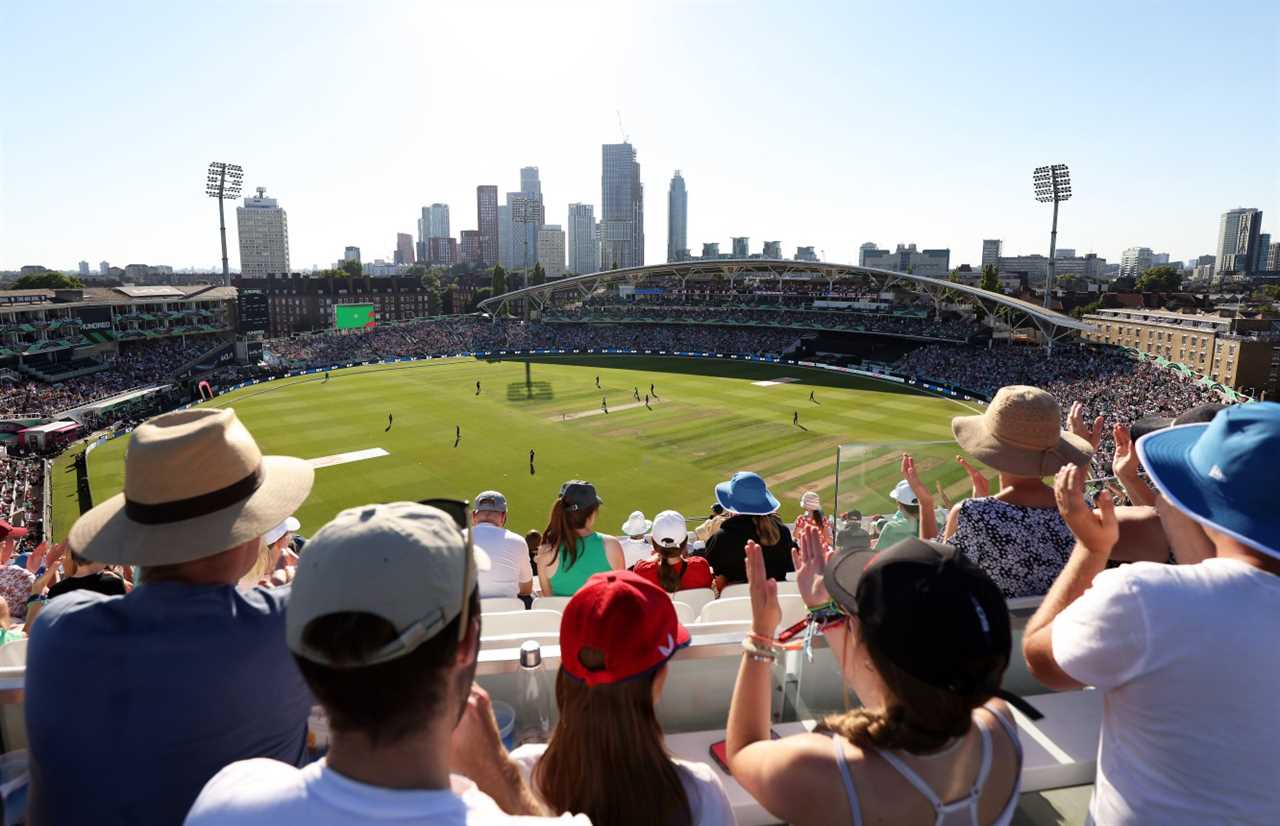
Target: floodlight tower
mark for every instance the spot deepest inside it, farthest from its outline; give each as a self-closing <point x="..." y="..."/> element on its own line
<point x="1053" y="183"/>
<point x="223" y="181"/>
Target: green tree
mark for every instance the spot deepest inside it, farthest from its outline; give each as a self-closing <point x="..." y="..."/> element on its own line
<point x="1159" y="279"/>
<point x="417" y="271"/>
<point x="352" y="268"/>
<point x="47" y="280"/>
<point x="1085" y="309"/>
<point x="953" y="276"/>
<point x="479" y="295"/>
<point x="990" y="279"/>
<point x="538" y="276"/>
<point x="498" y="285"/>
<point x="332" y="273"/>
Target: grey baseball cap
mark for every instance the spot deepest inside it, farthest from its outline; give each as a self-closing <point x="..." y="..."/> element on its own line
<point x="579" y="495"/>
<point x="490" y="500"/>
<point x="402" y="561"/>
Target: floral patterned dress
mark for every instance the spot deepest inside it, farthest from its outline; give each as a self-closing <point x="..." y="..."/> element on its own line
<point x="1022" y="549"/>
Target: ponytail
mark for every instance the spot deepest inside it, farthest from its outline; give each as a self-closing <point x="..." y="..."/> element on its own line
<point x="766" y="528"/>
<point x="668" y="577"/>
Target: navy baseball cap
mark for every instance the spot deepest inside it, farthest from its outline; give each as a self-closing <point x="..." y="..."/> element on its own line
<point x="579" y="495"/>
<point x="1222" y="474"/>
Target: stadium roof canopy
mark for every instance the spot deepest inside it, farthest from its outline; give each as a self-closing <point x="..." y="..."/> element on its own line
<point x="1014" y="311"/>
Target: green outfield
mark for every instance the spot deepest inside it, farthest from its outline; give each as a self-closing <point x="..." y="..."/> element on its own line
<point x="711" y="418"/>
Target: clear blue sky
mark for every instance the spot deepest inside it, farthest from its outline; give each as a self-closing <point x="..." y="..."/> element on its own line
<point x="827" y="124"/>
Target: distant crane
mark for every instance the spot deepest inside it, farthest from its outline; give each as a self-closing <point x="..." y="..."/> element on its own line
<point x="622" y="130"/>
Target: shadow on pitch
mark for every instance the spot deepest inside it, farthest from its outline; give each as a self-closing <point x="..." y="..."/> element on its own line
<point x="537" y="391"/>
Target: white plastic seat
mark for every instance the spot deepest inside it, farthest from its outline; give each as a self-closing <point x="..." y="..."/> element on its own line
<point x="739" y="609"/>
<point x="742" y="589"/>
<point x="700" y="628"/>
<point x="500" y="604"/>
<point x="503" y="623"/>
<point x="684" y="613"/>
<point x="14" y="654"/>
<point x="551" y="603"/>
<point x="695" y="598"/>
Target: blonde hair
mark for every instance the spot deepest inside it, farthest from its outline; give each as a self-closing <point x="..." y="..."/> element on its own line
<point x="767" y="529"/>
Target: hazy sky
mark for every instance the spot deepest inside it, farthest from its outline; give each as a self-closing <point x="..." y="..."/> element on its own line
<point x="824" y="124"/>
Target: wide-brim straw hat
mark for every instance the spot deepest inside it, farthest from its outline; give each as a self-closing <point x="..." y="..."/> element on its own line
<point x="1021" y="433"/>
<point x="195" y="484"/>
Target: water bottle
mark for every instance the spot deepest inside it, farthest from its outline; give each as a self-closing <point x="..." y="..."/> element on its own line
<point x="533" y="713"/>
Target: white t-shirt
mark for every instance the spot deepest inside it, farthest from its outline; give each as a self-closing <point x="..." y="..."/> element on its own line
<point x="707" y="799"/>
<point x="509" y="558"/>
<point x="265" y="792"/>
<point x="634" y="550"/>
<point x="1189" y="658"/>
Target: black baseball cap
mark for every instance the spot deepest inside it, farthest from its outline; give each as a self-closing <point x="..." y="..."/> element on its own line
<point x="930" y="611"/>
<point x="1200" y="414"/>
<point x="579" y="495"/>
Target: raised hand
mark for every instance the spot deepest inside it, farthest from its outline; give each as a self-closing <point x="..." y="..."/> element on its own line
<point x="766" y="613"/>
<point x="981" y="487"/>
<point x="1076" y="424"/>
<point x="923" y="495"/>
<point x="810" y="559"/>
<point x="1097" y="530"/>
<point x="1125" y="461"/>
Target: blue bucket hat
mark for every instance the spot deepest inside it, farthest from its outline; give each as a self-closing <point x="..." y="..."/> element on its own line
<point x="746" y="493"/>
<point x="1223" y="473"/>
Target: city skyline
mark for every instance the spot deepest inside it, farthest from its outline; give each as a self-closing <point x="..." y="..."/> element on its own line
<point x="946" y="181"/>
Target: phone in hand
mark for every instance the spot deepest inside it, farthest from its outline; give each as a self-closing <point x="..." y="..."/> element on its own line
<point x="719" y="754"/>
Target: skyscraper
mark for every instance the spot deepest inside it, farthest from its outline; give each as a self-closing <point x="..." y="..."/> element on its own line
<point x="710" y="250"/>
<point x="527" y="217"/>
<point x="487" y="223"/>
<point x="868" y="252"/>
<point x="104" y="268"/>
<point x="551" y="250"/>
<point x="583" y="250"/>
<point x="351" y="254"/>
<point x="1264" y="250"/>
<point x="677" y="219"/>
<point x="622" y="208"/>
<point x="991" y="251"/>
<point x="1238" y="240"/>
<point x="505" y="232"/>
<point x="1135" y="261"/>
<point x="264" y="237"/>
<point x="438" y="220"/>
<point x="469" y="246"/>
<point x="529" y="183"/>
<point x="773" y="249"/>
<point x="84" y="268"/>
<point x="404" y="248"/>
<point x="740" y="247"/>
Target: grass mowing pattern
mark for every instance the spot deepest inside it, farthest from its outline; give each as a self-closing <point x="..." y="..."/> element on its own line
<point x="708" y="422"/>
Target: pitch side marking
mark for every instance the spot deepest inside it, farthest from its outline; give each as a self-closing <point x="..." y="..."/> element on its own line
<point x="772" y="382"/>
<point x="345" y="458"/>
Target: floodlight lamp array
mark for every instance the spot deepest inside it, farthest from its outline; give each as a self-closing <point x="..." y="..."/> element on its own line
<point x="223" y="180"/>
<point x="1046" y="177"/>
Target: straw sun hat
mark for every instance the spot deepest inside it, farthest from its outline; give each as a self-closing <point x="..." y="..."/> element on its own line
<point x="195" y="484"/>
<point x="1021" y="433"/>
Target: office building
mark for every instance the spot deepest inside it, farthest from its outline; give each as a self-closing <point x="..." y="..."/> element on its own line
<point x="487" y="223"/>
<point x="991" y="251"/>
<point x="469" y="246"/>
<point x="773" y="249"/>
<point x="621" y="208"/>
<point x="84" y="269"/>
<point x="1135" y="261"/>
<point x="711" y="251"/>
<point x="1264" y="251"/>
<point x="1064" y="252"/>
<point x="104" y="268"/>
<point x="442" y="252"/>
<point x="504" y="234"/>
<point x="1273" y="257"/>
<point x="351" y="254"/>
<point x="530" y="184"/>
<point x="521" y="243"/>
<point x="806" y="254"/>
<point x="906" y="258"/>
<point x="1238" y="233"/>
<point x="404" y="248"/>
<point x="677" y="219"/>
<point x="1159" y="259"/>
<point x="551" y="250"/>
<point x="300" y="303"/>
<point x="740" y="245"/>
<point x="584" y="251"/>
<point x="438" y="221"/>
<point x="1224" y="349"/>
<point x="867" y="251"/>
<point x="264" y="237"/>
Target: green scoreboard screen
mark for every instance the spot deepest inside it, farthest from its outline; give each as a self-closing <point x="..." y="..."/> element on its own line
<point x="353" y="317"/>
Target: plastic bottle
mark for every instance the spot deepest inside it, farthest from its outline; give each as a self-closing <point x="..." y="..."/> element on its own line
<point x="533" y="712"/>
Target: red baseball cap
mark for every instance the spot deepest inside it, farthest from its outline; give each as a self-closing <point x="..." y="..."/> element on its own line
<point x="8" y="531"/>
<point x="629" y="619"/>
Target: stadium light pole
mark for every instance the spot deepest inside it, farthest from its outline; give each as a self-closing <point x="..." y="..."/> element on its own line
<point x="223" y="181"/>
<point x="1053" y="184"/>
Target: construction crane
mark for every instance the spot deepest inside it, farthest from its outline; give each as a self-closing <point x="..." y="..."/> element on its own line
<point x="621" y="130"/>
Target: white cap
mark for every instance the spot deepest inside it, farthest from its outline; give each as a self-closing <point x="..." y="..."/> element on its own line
<point x="288" y="525"/>
<point x="669" y="529"/>
<point x="810" y="501"/>
<point x="903" y="493"/>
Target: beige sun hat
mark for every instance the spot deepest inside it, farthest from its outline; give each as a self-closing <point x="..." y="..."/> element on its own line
<point x="195" y="484"/>
<point x="1021" y="433"/>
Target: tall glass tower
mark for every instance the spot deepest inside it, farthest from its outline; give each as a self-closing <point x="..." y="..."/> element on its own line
<point x="622" y="208"/>
<point x="677" y="220"/>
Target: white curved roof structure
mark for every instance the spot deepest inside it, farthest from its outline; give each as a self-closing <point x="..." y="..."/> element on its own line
<point x="1053" y="325"/>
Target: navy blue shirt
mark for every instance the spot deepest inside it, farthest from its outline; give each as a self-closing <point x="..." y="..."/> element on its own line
<point x="147" y="696"/>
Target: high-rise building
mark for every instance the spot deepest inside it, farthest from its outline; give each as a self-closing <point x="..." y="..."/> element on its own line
<point x="527" y="215"/>
<point x="772" y="249"/>
<point x="622" y="208"/>
<point x="1273" y="257"/>
<point x="677" y="219"/>
<point x="84" y="268"/>
<point x="442" y="251"/>
<point x="1135" y="261"/>
<point x="438" y="221"/>
<point x="351" y="254"/>
<point x="264" y="237"/>
<point x="487" y="223"/>
<point x="711" y="251"/>
<point x="584" y="251"/>
<point x="1238" y="240"/>
<point x="869" y="251"/>
<point x="991" y="251"/>
<point x="806" y="254"/>
<point x="1157" y="258"/>
<point x="551" y="250"/>
<point x="104" y="268"/>
<point x="740" y="245"/>
<point x="469" y="246"/>
<point x="404" y="248"/>
<point x="1264" y="250"/>
<point x="530" y="184"/>
<point x="906" y="258"/>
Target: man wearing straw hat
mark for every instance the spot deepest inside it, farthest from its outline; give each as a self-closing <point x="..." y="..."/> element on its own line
<point x="186" y="672"/>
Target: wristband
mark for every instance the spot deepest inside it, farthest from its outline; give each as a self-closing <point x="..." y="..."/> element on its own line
<point x="758" y="653"/>
<point x="34" y="598"/>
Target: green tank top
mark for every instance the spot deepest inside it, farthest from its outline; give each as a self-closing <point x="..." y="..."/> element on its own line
<point x="566" y="581"/>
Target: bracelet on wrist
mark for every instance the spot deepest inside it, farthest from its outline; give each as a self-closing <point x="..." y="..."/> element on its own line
<point x="757" y="652"/>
